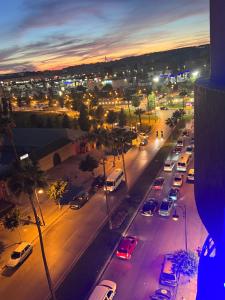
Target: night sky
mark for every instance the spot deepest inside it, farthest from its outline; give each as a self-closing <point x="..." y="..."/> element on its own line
<point x="52" y="34"/>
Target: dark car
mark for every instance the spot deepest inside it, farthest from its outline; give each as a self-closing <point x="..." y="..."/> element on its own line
<point x="79" y="200"/>
<point x="158" y="183"/>
<point x="177" y="150"/>
<point x="98" y="182"/>
<point x="173" y="194"/>
<point x="163" y="108"/>
<point x="162" y="294"/>
<point x="144" y="142"/>
<point x="149" y="207"/>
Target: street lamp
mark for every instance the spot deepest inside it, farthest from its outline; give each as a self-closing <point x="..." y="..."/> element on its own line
<point x="176" y="217"/>
<point x="38" y="192"/>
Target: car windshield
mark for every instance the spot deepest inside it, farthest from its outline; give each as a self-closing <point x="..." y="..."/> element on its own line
<point x="167" y="276"/>
<point x="164" y="206"/>
<point x="147" y="206"/>
<point x="173" y="192"/>
<point x="181" y="164"/>
<point x="109" y="183"/>
<point x="167" y="164"/>
<point x="158" y="181"/>
<point x="15" y="255"/>
<point x="122" y="250"/>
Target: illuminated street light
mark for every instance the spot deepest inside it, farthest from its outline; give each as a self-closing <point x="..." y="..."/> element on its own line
<point x="195" y="74"/>
<point x="40" y="191"/>
<point x="156" y="79"/>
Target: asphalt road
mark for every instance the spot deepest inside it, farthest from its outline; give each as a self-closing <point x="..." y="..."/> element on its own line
<point x="69" y="236"/>
<point x="138" y="278"/>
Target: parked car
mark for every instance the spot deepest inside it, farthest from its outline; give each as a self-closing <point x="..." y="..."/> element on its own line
<point x="79" y="200"/>
<point x="165" y="208"/>
<point x="173" y="194"/>
<point x="126" y="247"/>
<point x="177" y="150"/>
<point x="168" y="166"/>
<point x="98" y="182"/>
<point x="149" y="207"/>
<point x="178" y="180"/>
<point x="162" y="294"/>
<point x="189" y="150"/>
<point x="158" y="183"/>
<point x="191" y="175"/>
<point x="167" y="276"/>
<point x="19" y="254"/>
<point x="180" y="143"/>
<point x="144" y="142"/>
<point x="186" y="132"/>
<point x="105" y="290"/>
<point x="163" y="108"/>
<point x="143" y="135"/>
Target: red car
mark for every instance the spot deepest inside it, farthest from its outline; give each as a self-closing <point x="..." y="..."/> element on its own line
<point x="126" y="247"/>
<point x="158" y="183"/>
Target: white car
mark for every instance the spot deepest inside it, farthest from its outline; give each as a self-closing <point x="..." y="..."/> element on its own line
<point x="191" y="175"/>
<point x="19" y="254"/>
<point x="105" y="290"/>
<point x="178" y="180"/>
<point x="165" y="208"/>
<point x="168" y="166"/>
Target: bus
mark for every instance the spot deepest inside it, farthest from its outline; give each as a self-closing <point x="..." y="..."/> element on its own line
<point x="114" y="180"/>
<point x="183" y="162"/>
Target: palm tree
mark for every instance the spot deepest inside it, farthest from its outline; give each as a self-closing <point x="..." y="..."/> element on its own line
<point x="6" y="126"/>
<point x="139" y="112"/>
<point x="121" y="139"/>
<point x="102" y="139"/>
<point x="25" y="178"/>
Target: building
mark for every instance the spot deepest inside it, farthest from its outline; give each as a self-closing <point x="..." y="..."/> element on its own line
<point x="210" y="161"/>
<point x="49" y="147"/>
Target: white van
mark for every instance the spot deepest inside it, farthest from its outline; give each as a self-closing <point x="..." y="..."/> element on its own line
<point x="19" y="254"/>
<point x="105" y="290"/>
<point x="114" y="180"/>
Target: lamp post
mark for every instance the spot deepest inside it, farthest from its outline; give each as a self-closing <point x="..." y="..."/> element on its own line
<point x="106" y="194"/>
<point x="176" y="218"/>
<point x="40" y="191"/>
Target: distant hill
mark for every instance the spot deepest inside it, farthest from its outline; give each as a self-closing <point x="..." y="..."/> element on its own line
<point x="191" y="57"/>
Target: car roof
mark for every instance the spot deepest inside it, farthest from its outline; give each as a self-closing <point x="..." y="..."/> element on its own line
<point x="22" y="246"/>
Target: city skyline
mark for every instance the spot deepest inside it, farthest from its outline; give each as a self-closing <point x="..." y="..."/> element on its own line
<point x="43" y="35"/>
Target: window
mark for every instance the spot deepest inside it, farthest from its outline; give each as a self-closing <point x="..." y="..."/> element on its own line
<point x="109" y="294"/>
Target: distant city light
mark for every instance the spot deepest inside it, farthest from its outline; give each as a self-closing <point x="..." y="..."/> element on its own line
<point x="156" y="79"/>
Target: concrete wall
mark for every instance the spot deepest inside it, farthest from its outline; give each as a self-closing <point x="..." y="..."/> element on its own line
<point x="64" y="152"/>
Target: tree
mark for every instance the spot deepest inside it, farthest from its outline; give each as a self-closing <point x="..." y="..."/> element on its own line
<point x="6" y="130"/>
<point x="12" y="220"/>
<point x="111" y="117"/>
<point x="139" y="112"/>
<point x="122" y="117"/>
<point x="121" y="139"/>
<point x="83" y="119"/>
<point x="183" y="94"/>
<point x="66" y="121"/>
<point x="88" y="164"/>
<point x="170" y="122"/>
<point x="56" y="191"/>
<point x="136" y="101"/>
<point x="99" y="114"/>
<point x="25" y="178"/>
<point x="185" y="262"/>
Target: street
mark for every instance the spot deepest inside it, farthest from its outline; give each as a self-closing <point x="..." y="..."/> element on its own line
<point x="69" y="235"/>
<point x="138" y="278"/>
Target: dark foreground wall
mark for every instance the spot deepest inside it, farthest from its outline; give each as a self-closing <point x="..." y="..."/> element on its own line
<point x="210" y="183"/>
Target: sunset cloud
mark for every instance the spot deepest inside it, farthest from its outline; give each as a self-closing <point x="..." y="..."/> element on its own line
<point x="42" y="34"/>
